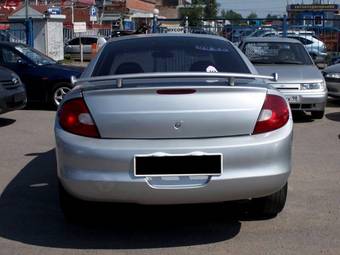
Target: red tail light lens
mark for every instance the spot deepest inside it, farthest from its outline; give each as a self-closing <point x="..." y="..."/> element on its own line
<point x="75" y="117"/>
<point x="274" y="114"/>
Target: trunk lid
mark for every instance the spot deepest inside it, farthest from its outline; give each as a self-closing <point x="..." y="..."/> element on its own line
<point x="142" y="113"/>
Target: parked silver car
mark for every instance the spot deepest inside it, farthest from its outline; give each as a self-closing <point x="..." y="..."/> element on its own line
<point x="173" y="119"/>
<point x="300" y="80"/>
<point x="91" y="44"/>
<point x="332" y="77"/>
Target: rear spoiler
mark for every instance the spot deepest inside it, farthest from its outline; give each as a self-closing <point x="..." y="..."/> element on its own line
<point x="120" y="78"/>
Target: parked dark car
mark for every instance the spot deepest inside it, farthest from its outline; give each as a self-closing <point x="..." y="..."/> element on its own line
<point x="12" y="91"/>
<point x="46" y="81"/>
<point x="332" y="77"/>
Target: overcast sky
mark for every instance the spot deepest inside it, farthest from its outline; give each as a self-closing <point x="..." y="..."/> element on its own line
<point x="262" y="7"/>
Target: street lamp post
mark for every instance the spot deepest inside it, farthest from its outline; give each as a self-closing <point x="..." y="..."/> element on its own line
<point x="72" y="11"/>
<point x="154" y="20"/>
<point x="28" y="25"/>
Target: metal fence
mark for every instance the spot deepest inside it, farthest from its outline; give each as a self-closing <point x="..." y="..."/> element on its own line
<point x="13" y="32"/>
<point x="322" y="40"/>
<point x="70" y="34"/>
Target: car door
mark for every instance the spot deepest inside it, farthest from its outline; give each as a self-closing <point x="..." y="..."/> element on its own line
<point x="26" y="70"/>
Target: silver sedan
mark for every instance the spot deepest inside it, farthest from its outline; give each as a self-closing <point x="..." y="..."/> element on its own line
<point x="299" y="80"/>
<point x="173" y="119"/>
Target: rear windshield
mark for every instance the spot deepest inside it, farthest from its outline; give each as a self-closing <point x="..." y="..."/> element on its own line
<point x="169" y="54"/>
<point x="277" y="53"/>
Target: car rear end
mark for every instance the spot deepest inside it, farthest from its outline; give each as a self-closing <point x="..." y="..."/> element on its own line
<point x="176" y="140"/>
<point x="12" y="91"/>
<point x="97" y="160"/>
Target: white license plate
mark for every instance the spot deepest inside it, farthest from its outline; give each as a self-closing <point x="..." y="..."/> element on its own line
<point x="293" y="99"/>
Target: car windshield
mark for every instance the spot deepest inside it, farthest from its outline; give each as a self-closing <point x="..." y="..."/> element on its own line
<point x="277" y="53"/>
<point x="35" y="56"/>
<point x="169" y="54"/>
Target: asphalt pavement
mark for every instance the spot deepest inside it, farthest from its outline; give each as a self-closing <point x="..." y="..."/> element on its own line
<point x="31" y="221"/>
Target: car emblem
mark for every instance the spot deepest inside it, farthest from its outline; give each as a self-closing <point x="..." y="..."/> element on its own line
<point x="178" y="125"/>
<point x="15" y="81"/>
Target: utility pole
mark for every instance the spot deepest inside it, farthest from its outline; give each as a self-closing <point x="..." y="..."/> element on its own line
<point x="26" y="10"/>
<point x="28" y="25"/>
<point x="102" y="14"/>
<point x="72" y="11"/>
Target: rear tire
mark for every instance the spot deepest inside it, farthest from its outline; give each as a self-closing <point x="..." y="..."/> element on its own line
<point x="318" y="114"/>
<point x="271" y="205"/>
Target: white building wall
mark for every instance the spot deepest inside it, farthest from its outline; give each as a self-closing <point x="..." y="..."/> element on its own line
<point x="55" y="39"/>
<point x="39" y="35"/>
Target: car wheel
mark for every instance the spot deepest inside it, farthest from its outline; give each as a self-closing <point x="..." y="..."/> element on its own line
<point x="318" y="114"/>
<point x="58" y="93"/>
<point x="270" y="205"/>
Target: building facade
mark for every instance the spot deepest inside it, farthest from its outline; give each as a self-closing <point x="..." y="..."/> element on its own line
<point x="315" y="14"/>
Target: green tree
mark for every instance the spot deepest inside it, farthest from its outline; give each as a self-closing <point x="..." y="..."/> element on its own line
<point x="194" y="12"/>
<point x="210" y="9"/>
<point x="271" y="17"/>
<point x="234" y="17"/>
<point x="252" y="15"/>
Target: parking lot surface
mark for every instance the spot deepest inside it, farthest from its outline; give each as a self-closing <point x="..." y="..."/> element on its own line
<point x="32" y="223"/>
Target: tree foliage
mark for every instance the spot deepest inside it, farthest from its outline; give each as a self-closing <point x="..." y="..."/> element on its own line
<point x="210" y="9"/>
<point x="231" y="15"/>
<point x="194" y="12"/>
<point x="252" y="15"/>
<point x="271" y="17"/>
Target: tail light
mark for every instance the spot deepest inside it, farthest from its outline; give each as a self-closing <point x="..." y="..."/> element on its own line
<point x="75" y="117"/>
<point x="274" y="114"/>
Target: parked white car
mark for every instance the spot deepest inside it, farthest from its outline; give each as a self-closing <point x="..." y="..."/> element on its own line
<point x="315" y="47"/>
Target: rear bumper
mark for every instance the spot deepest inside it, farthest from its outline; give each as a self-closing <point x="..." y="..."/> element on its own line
<point x="12" y="99"/>
<point x="102" y="169"/>
<point x="308" y="101"/>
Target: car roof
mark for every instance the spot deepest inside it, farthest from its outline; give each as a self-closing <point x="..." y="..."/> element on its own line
<point x="271" y="39"/>
<point x="189" y="35"/>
